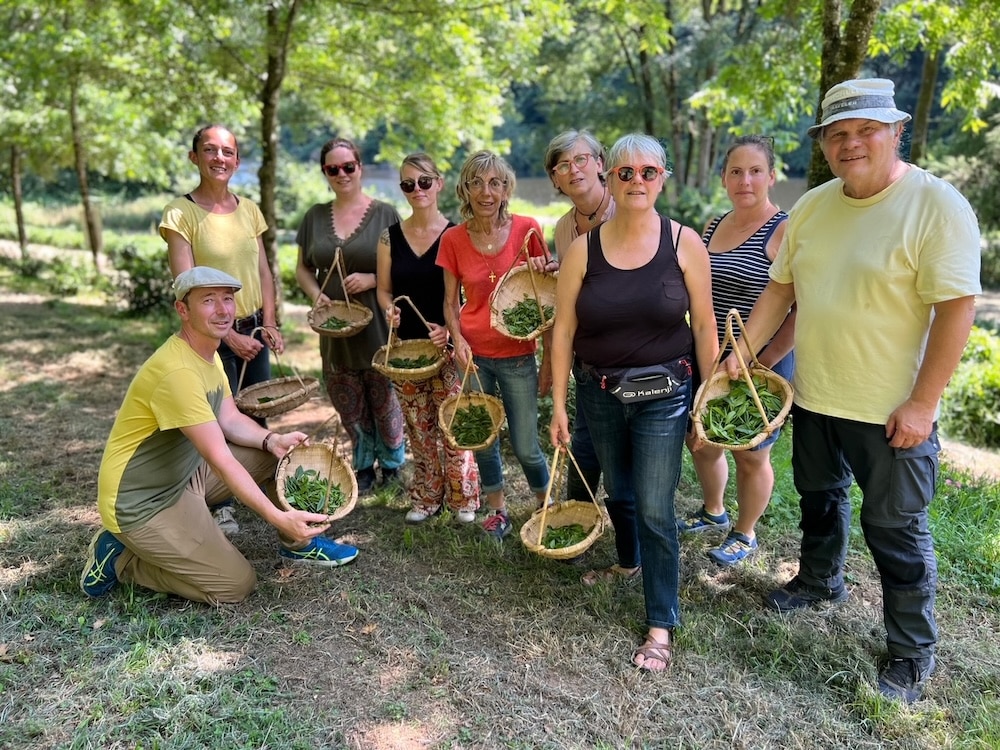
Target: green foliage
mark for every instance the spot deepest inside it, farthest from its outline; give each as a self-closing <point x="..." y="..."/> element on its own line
<point x="989" y="273"/>
<point x="970" y="407"/>
<point x="143" y="280"/>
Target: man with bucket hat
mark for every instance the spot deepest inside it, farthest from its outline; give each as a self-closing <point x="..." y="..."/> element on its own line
<point x="180" y="445"/>
<point x="883" y="264"/>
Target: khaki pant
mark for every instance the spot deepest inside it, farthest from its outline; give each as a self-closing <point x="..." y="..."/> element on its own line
<point x="182" y="551"/>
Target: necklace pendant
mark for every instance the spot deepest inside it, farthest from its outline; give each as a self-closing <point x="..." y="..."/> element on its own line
<point x="493" y="278"/>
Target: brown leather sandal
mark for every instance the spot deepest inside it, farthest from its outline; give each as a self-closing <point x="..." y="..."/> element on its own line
<point x="614" y="573"/>
<point x="651" y="649"/>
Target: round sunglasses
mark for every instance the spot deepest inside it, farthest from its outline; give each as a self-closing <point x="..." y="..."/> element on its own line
<point x="332" y="170"/>
<point x="647" y="172"/>
<point x="423" y="182"/>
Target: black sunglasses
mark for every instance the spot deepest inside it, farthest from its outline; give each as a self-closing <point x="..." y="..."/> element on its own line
<point x="424" y="182"/>
<point x="332" y="170"/>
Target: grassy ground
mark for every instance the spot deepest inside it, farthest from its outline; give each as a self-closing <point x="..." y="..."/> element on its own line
<point x="436" y="636"/>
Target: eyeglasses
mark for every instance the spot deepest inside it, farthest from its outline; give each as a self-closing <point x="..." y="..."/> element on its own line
<point x="579" y="161"/>
<point x="332" y="170"/>
<point x="423" y="182"/>
<point x="648" y="173"/>
<point x="479" y="184"/>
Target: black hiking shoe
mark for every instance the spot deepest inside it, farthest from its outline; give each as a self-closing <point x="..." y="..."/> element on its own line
<point x="798" y="595"/>
<point x="903" y="679"/>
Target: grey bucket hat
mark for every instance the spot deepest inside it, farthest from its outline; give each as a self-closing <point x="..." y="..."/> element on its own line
<point x="862" y="98"/>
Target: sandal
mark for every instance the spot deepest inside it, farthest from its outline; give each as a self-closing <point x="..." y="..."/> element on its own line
<point x="614" y="573"/>
<point x="656" y="651"/>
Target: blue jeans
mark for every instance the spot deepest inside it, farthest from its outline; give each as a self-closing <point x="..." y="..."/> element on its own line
<point x="258" y="369"/>
<point x="897" y="486"/>
<point x="515" y="381"/>
<point x="639" y="449"/>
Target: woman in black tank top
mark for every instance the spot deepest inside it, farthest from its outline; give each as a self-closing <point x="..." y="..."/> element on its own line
<point x="625" y="291"/>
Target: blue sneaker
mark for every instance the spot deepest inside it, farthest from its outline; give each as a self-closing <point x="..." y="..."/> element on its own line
<point x="323" y="552"/>
<point x="736" y="548"/>
<point x="497" y="524"/>
<point x="703" y="521"/>
<point x="99" y="577"/>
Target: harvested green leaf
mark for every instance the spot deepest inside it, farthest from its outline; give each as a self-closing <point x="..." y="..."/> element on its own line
<point x="472" y="425"/>
<point x="560" y="537"/>
<point x="734" y="419"/>
<point x="523" y="318"/>
<point x="307" y="490"/>
<point x="265" y="399"/>
<point x="334" y="324"/>
<point x="412" y="363"/>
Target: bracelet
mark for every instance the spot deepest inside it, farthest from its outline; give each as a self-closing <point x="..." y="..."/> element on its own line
<point x="263" y="445"/>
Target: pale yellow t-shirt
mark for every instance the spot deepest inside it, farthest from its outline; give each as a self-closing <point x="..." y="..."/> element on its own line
<point x="866" y="274"/>
<point x="224" y="241"/>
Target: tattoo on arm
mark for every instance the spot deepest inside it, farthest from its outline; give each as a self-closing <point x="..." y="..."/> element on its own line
<point x="384" y="238"/>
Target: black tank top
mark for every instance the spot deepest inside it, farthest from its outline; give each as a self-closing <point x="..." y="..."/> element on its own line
<point x="419" y="278"/>
<point x="636" y="317"/>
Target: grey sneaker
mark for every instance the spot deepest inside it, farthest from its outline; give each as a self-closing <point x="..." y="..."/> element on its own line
<point x="225" y="519"/>
<point x="798" y="595"/>
<point x="903" y="679"/>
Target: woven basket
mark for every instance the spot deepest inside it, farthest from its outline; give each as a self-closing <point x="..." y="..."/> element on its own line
<point x="408" y="349"/>
<point x="521" y="283"/>
<point x="589" y="515"/>
<point x="719" y="385"/>
<point x="283" y="394"/>
<point x="561" y="514"/>
<point x="355" y="314"/>
<point x="324" y="459"/>
<point x="446" y="414"/>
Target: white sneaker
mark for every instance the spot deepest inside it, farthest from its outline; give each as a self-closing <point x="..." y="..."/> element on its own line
<point x="225" y="519"/>
<point x="418" y="515"/>
<point x="466" y="516"/>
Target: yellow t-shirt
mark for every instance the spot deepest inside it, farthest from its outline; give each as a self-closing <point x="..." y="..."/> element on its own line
<point x="867" y="273"/>
<point x="147" y="460"/>
<point x="224" y="241"/>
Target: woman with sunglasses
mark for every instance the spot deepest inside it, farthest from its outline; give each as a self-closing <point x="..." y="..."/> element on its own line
<point x="364" y="398"/>
<point x="475" y="255"/>
<point x="407" y="265"/>
<point x="574" y="161"/>
<point x="212" y="226"/>
<point x="624" y="294"/>
<point x="741" y="246"/>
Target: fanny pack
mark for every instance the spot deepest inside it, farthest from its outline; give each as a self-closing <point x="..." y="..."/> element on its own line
<point x="630" y="385"/>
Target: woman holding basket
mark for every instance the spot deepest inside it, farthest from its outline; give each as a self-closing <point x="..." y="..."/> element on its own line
<point x="350" y="225"/>
<point x="624" y="293"/>
<point x="475" y="255"/>
<point x="741" y="245"/>
<point x="407" y="265"/>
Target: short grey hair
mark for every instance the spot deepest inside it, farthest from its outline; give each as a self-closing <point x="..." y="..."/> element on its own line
<point x="636" y="144"/>
<point x="564" y="142"/>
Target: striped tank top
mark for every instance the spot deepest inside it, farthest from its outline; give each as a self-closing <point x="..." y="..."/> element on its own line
<point x="740" y="275"/>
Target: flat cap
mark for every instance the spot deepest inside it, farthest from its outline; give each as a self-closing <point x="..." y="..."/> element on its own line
<point x="202" y="276"/>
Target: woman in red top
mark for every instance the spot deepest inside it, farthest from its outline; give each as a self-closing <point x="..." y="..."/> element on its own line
<point x="475" y="255"/>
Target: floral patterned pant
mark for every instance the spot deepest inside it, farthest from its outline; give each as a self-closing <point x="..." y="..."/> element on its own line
<point x="369" y="411"/>
<point x="440" y="472"/>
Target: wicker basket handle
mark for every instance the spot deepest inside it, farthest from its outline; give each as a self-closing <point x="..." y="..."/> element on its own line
<point x="525" y="245"/>
<point x="277" y="357"/>
<point x="559" y="467"/>
<point x="392" y="331"/>
<point x="338" y="265"/>
<point x="730" y="339"/>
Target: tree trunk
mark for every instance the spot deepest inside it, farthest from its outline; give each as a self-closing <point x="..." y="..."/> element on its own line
<point x="279" y="30"/>
<point x="925" y="100"/>
<point x="842" y="56"/>
<point x="15" y="182"/>
<point x="91" y="219"/>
